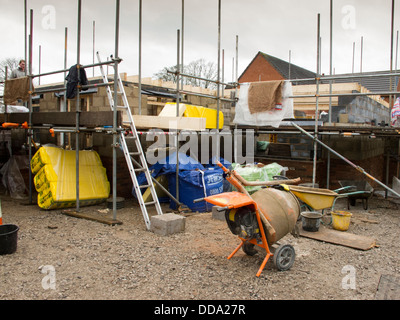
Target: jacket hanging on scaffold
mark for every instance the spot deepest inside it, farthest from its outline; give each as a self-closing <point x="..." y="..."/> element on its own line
<point x="72" y="81"/>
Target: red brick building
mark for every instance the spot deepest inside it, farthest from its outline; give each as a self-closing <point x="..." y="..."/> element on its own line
<point x="265" y="67"/>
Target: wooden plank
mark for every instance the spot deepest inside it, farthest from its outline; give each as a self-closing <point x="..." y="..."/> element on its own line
<point x="87" y="119"/>
<point x="180" y="123"/>
<point x="91" y="217"/>
<point x="324" y="88"/>
<point x="342" y="238"/>
<point x="169" y="110"/>
<point x="388" y="288"/>
<point x="147" y="197"/>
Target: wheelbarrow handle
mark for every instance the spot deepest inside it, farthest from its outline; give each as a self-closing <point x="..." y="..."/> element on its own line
<point x="344" y="188"/>
<point x="344" y="195"/>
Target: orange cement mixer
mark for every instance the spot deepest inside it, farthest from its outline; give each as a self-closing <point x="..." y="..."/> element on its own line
<point x="260" y="219"/>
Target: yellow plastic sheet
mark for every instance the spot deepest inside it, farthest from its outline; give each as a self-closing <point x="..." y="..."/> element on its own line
<point x="55" y="178"/>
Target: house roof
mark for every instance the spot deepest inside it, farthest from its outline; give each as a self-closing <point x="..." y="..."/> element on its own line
<point x="284" y="68"/>
<point x="378" y="81"/>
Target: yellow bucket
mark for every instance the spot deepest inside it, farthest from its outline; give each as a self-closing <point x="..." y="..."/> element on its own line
<point x="341" y="220"/>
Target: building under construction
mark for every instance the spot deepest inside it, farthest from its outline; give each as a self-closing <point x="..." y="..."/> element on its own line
<point x="340" y="124"/>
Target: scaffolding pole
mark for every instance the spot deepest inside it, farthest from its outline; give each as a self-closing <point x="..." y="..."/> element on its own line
<point x="77" y="111"/>
<point x="140" y="59"/>
<point x="115" y="132"/>
<point x="348" y="76"/>
<point x="328" y="166"/>
<point x="63" y="106"/>
<point x="358" y="168"/>
<point x="30" y="132"/>
<point x="177" y="111"/>
<point x="218" y="80"/>
<point x="317" y="101"/>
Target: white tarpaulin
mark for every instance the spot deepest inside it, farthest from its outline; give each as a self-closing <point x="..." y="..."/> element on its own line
<point x="272" y="117"/>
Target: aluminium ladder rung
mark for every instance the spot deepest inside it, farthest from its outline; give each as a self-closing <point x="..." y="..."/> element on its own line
<point x="138" y="153"/>
<point x="130" y="137"/>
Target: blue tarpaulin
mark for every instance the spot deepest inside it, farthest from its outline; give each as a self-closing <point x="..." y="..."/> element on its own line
<point x="195" y="180"/>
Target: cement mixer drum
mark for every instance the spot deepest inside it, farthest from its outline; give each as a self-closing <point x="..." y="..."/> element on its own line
<point x="281" y="208"/>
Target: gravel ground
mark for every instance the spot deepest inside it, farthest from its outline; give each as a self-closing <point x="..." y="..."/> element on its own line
<point x="91" y="260"/>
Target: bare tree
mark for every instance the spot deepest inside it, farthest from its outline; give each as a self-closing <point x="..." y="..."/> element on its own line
<point x="10" y="63"/>
<point x="165" y="75"/>
<point x="199" y="68"/>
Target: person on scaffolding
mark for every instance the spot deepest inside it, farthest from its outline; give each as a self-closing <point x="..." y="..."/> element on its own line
<point x="19" y="72"/>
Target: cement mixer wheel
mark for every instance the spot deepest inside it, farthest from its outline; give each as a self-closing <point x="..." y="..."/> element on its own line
<point x="284" y="257"/>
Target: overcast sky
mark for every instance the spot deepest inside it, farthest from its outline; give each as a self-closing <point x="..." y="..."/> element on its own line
<point x="273" y="27"/>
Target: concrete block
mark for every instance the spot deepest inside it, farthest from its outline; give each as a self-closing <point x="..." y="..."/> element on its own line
<point x="167" y="224"/>
<point x="218" y="215"/>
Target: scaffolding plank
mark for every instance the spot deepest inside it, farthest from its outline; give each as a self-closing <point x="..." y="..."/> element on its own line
<point x="182" y="123"/>
<point x="388" y="288"/>
<point x="91" y="217"/>
<point x="89" y="119"/>
<point x="340" y="238"/>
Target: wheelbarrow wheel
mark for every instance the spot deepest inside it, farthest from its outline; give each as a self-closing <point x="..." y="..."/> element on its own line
<point x="284" y="257"/>
<point x="248" y="249"/>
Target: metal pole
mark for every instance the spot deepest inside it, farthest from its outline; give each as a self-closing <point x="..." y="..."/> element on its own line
<point x="5" y="105"/>
<point x="381" y="93"/>
<point x="140" y="59"/>
<point x="199" y="78"/>
<point x="344" y="159"/>
<point x="25" y="36"/>
<point x="115" y="132"/>
<point x="391" y="59"/>
<point x="349" y="76"/>
<point x="30" y="131"/>
<point x="233" y="69"/>
<point x="397" y="50"/>
<point x="77" y="111"/>
<point x="182" y="36"/>
<point x="328" y="160"/>
<point x="317" y="100"/>
<point x="40" y="58"/>
<point x="177" y="113"/>
<point x="63" y="107"/>
<point x="361" y="58"/>
<point x="223" y="73"/>
<point x="218" y="78"/>
<point x="94" y="41"/>
<point x="236" y="94"/>
<point x="82" y="66"/>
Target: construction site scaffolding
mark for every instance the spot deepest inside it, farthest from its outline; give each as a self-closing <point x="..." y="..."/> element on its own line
<point x="319" y="78"/>
<point x="77" y="129"/>
<point x="179" y="73"/>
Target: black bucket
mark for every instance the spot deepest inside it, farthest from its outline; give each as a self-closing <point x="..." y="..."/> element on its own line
<point x="311" y="220"/>
<point x="8" y="238"/>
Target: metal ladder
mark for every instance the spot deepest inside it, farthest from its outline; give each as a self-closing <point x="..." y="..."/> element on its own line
<point x="133" y="165"/>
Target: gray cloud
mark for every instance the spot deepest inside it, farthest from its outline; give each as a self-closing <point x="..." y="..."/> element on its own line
<point x="274" y="27"/>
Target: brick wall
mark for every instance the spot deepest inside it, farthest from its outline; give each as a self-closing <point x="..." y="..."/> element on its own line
<point x="260" y="70"/>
